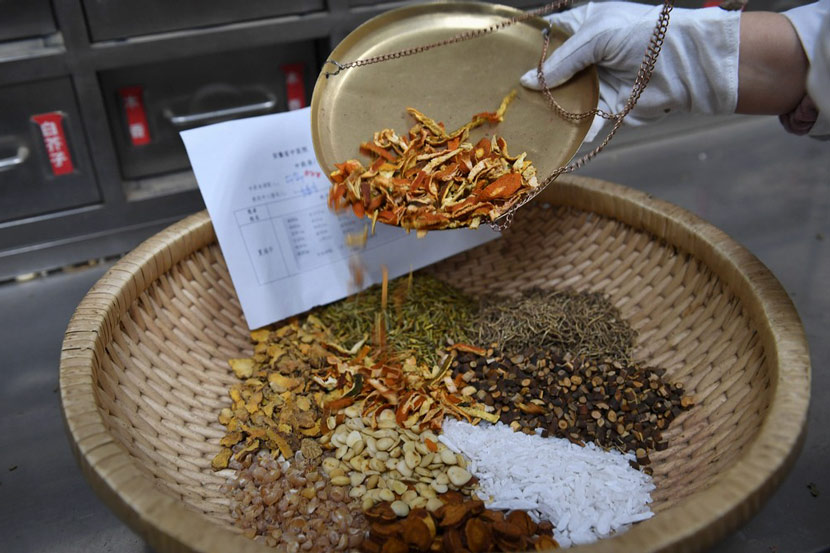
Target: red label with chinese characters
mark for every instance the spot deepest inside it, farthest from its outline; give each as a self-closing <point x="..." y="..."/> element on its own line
<point x="54" y="141"/>
<point x="294" y="87"/>
<point x="133" y="104"/>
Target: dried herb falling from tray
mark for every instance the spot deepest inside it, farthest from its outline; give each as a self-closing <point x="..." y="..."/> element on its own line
<point x="584" y="324"/>
<point x="422" y="313"/>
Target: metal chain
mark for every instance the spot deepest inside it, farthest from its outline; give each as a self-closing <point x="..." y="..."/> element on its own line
<point x="461" y="37"/>
<point x="640" y="82"/>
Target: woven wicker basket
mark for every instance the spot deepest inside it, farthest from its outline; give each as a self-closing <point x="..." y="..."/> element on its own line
<point x="144" y="373"/>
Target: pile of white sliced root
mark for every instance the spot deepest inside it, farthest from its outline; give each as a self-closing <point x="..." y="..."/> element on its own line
<point x="587" y="493"/>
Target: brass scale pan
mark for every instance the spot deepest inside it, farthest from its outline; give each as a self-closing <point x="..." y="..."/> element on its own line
<point x="448" y="83"/>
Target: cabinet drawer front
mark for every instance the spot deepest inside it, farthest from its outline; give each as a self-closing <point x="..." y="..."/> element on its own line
<point x="44" y="160"/>
<point x="148" y="106"/>
<point x="25" y="18"/>
<point x="112" y="19"/>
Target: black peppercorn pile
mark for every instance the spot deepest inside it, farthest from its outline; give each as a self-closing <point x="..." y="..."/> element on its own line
<point x="614" y="405"/>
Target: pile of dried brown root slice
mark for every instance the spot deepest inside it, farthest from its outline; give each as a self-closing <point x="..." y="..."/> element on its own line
<point x="432" y="179"/>
<point x="462" y="524"/>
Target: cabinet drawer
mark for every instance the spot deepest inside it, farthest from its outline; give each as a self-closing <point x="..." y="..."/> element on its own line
<point x="112" y="19"/>
<point x="44" y="160"/>
<point x="514" y="3"/>
<point x="25" y="18"/>
<point x="149" y="105"/>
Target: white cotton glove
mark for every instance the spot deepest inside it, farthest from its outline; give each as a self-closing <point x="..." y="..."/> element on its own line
<point x="696" y="72"/>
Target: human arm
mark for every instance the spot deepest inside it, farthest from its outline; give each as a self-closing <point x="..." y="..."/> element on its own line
<point x="712" y="62"/>
<point x="772" y="68"/>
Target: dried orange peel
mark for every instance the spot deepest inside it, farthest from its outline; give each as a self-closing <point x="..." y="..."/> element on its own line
<point x="432" y="179"/>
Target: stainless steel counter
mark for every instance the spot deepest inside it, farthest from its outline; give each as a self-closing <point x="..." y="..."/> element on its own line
<point x="768" y="190"/>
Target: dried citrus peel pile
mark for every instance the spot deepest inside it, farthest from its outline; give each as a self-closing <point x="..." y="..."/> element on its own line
<point x="432" y="179"/>
<point x="299" y="376"/>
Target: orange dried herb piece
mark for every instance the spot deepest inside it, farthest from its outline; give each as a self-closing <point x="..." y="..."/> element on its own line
<point x="424" y="516"/>
<point x="508" y="529"/>
<point x="452" y="542"/>
<point x="381" y="512"/>
<point x="511" y="544"/>
<point x="433" y="179"/>
<point x="492" y="516"/>
<point x="522" y="520"/>
<point x="375" y="149"/>
<point x="531" y="408"/>
<point x="222" y="458"/>
<point x="340" y="403"/>
<point x="279" y="443"/>
<point x="385" y="530"/>
<point x="478" y="535"/>
<point x="394" y="545"/>
<point x="415" y="533"/>
<point x="503" y="187"/>
<point x="231" y="439"/>
<point x="453" y="497"/>
<point x="545" y="527"/>
<point x="468" y="348"/>
<point x="243" y="368"/>
<point x="370" y="546"/>
<point x="454" y="515"/>
<point x="251" y="446"/>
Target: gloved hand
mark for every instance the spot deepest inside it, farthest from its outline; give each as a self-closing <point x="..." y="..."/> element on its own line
<point x="696" y="72"/>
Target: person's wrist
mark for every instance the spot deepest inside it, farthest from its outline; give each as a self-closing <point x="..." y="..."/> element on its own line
<point x="773" y="66"/>
<point x="801" y="119"/>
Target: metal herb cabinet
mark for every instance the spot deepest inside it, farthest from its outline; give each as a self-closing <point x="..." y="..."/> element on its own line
<point x="196" y="62"/>
<point x="115" y="19"/>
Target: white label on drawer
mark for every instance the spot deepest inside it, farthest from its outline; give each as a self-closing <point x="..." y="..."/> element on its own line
<point x="286" y="251"/>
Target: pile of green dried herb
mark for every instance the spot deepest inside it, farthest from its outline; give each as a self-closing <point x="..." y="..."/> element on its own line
<point x="582" y="324"/>
<point x="421" y="315"/>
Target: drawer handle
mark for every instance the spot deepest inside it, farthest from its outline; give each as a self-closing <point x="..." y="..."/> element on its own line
<point x="196" y="118"/>
<point x="18" y="159"/>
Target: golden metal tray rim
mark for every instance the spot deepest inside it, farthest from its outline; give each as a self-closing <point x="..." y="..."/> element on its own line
<point x="436" y="8"/>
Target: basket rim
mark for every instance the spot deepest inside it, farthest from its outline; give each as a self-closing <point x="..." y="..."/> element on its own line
<point x="694" y="524"/>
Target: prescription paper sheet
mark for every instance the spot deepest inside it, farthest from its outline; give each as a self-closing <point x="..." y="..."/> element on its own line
<point x="285" y="250"/>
